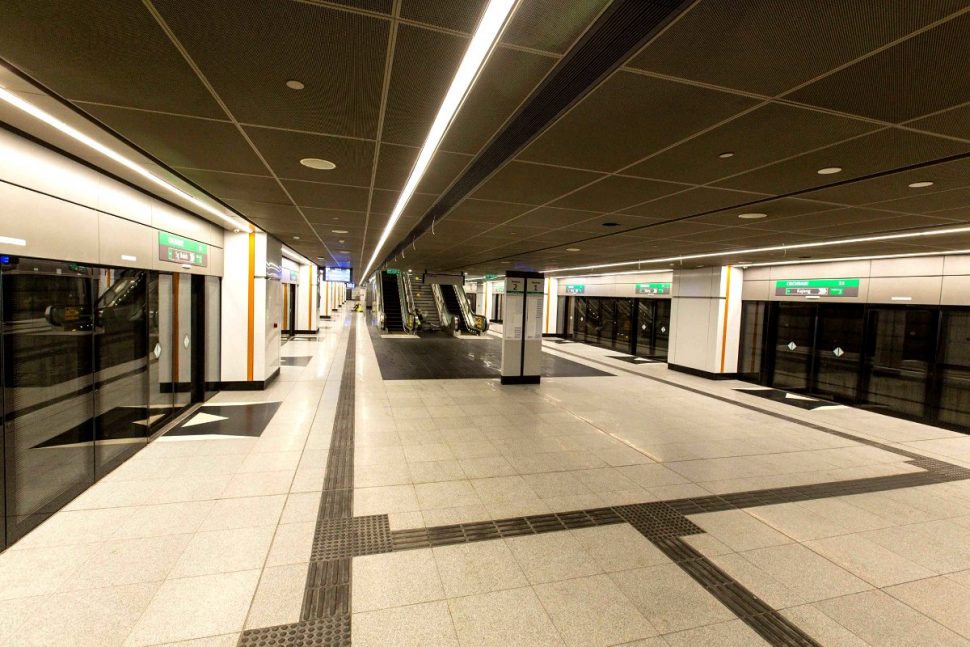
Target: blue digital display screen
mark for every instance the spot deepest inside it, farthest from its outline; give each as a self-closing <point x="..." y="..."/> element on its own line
<point x="339" y="274"/>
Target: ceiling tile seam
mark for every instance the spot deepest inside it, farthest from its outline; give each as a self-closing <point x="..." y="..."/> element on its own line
<point x="215" y="95"/>
<point x="936" y="113"/>
<point x="742" y="206"/>
<point x="502" y="126"/>
<point x="902" y="39"/>
<point x="385" y="91"/>
<point x="70" y="105"/>
<point x="589" y="91"/>
<point x="148" y="110"/>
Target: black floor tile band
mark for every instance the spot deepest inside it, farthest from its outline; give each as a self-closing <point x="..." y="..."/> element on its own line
<point x="325" y="614"/>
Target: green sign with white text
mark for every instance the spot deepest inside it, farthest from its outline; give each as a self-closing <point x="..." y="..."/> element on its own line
<point x="575" y="289"/>
<point x="177" y="249"/>
<point x="653" y="288"/>
<point x="817" y="288"/>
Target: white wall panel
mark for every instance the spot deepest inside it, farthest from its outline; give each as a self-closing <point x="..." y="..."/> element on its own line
<point x="121" y="241"/>
<point x="919" y="289"/>
<point x="52" y="228"/>
<point x="955" y="290"/>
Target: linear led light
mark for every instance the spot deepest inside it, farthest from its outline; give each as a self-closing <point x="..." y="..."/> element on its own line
<point x="483" y="41"/>
<point x="776" y="248"/>
<point x="7" y="240"/>
<point x="77" y="135"/>
<point x="877" y="257"/>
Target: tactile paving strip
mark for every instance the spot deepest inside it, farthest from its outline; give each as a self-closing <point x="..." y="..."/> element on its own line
<point x="333" y="631"/>
<point x="336" y="538"/>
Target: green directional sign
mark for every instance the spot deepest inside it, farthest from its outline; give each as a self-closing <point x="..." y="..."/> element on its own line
<point x="817" y="288"/>
<point x="393" y="271"/>
<point x="489" y="277"/>
<point x="575" y="288"/>
<point x="178" y="249"/>
<point x="653" y="288"/>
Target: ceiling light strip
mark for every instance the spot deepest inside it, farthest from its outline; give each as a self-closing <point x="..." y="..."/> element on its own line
<point x="77" y="135"/>
<point x="775" y="248"/>
<point x="483" y="41"/>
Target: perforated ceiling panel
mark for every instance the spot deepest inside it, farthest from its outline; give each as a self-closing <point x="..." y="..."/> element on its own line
<point x="724" y="108"/>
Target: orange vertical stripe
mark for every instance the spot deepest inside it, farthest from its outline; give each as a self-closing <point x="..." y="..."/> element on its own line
<point x="727" y="298"/>
<point x="309" y="303"/>
<point x="251" y="331"/>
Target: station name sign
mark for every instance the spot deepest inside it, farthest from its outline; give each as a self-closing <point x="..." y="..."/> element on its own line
<point x="817" y="288"/>
<point x="653" y="288"/>
<point x="178" y="249"/>
<point x="577" y="288"/>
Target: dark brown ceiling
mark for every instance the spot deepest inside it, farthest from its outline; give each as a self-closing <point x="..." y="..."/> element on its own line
<point x="876" y="87"/>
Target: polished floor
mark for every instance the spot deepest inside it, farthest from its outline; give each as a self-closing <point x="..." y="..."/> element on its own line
<point x="645" y="508"/>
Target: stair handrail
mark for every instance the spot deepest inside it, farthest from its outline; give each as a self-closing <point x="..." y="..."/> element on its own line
<point x="408" y="305"/>
<point x="447" y="318"/>
<point x="407" y="319"/>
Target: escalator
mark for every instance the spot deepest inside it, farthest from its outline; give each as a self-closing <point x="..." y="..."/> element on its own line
<point x="391" y="302"/>
<point x="425" y="305"/>
<point x="454" y="300"/>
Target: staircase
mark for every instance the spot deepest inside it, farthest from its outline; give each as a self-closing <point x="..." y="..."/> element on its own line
<point x="424" y="301"/>
<point x="391" y="303"/>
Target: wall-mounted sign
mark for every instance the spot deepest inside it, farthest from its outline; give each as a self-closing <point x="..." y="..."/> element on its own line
<point x="393" y="271"/>
<point x="653" y="288"/>
<point x="575" y="289"/>
<point x="177" y="249"/>
<point x="489" y="277"/>
<point x="499" y="288"/>
<point x="817" y="288"/>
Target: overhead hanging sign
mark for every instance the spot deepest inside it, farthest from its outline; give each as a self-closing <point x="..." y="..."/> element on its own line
<point x="653" y="288"/>
<point x="817" y="288"/>
<point x="575" y="289"/>
<point x="178" y="249"/>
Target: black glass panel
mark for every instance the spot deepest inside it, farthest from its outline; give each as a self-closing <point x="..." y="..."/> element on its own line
<point x="594" y="320"/>
<point x="579" y="318"/>
<point x="795" y="329"/>
<point x="900" y="352"/>
<point x="182" y="338"/>
<point x="120" y="354"/>
<point x="955" y="368"/>
<point x="838" y="350"/>
<point x="753" y="322"/>
<point x="161" y="387"/>
<point x="48" y="380"/>
<point x="624" y="325"/>
<point x="645" y="328"/>
<point x="661" y="328"/>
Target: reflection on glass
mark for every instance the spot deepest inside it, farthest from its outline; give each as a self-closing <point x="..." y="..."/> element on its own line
<point x="182" y="338"/>
<point x="579" y="318"/>
<point x="901" y="350"/>
<point x="120" y="344"/>
<point x="624" y="312"/>
<point x="48" y="379"/>
<point x="661" y="328"/>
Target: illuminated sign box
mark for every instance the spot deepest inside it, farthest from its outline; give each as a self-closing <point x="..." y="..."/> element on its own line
<point x="178" y="249"/>
<point x="653" y="288"/>
<point x="817" y="288"/>
<point x="338" y="274"/>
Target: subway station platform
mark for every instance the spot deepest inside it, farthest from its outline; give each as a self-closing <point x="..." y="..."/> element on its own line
<point x="629" y="505"/>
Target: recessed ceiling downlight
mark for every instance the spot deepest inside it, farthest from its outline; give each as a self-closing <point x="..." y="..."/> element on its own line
<point x="293" y="84"/>
<point x="752" y="216"/>
<point x="339" y="231"/>
<point x="572" y="249"/>
<point x="920" y="185"/>
<point x="611" y="224"/>
<point x="726" y="155"/>
<point x="318" y="164"/>
<point x="829" y="170"/>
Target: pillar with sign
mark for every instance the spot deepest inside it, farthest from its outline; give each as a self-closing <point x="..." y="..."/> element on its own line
<point x="522" y="328"/>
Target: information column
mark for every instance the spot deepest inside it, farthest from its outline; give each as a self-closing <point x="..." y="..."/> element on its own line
<point x="522" y="328"/>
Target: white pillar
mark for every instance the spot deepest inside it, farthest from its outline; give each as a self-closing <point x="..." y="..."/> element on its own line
<point x="705" y="321"/>
<point x="251" y="303"/>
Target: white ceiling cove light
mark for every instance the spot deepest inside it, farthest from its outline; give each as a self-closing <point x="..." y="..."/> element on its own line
<point x="920" y="185"/>
<point x="483" y="41"/>
<point x="7" y="240"/>
<point x="115" y="156"/>
<point x="752" y="216"/>
<point x="829" y="170"/>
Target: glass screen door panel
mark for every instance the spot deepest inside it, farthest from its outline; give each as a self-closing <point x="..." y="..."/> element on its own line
<point x="161" y="386"/>
<point x="954" y="368"/>
<point x="624" y="325"/>
<point x="579" y="318"/>
<point x="120" y="353"/>
<point x="753" y="321"/>
<point x="645" y="327"/>
<point x="182" y="338"/>
<point x="794" y="328"/>
<point x="901" y="348"/>
<point x="48" y="388"/>
<point x="661" y="328"/>
<point x="838" y="350"/>
<point x="594" y="321"/>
